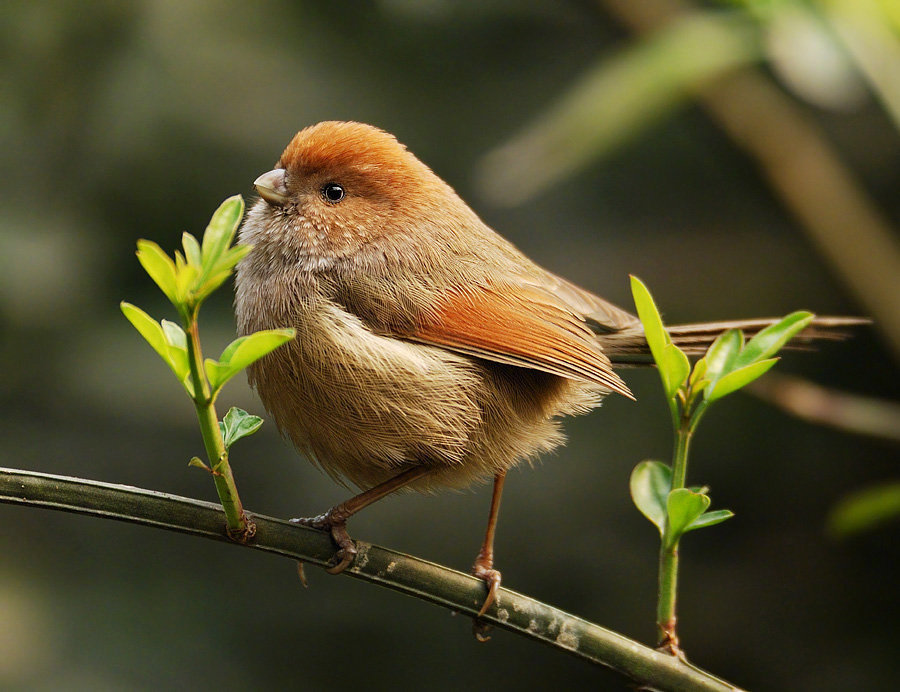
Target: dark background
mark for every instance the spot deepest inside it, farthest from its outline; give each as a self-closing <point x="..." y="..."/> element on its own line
<point x="127" y="120"/>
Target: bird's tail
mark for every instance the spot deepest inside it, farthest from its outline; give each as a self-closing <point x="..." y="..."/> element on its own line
<point x="629" y="347"/>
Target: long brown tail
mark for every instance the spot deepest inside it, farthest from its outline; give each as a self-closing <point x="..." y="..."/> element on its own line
<point x="629" y="347"/>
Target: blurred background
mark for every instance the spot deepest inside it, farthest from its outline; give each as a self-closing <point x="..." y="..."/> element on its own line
<point x="742" y="158"/>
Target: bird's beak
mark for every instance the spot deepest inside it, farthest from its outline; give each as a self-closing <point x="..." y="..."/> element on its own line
<point x="271" y="187"/>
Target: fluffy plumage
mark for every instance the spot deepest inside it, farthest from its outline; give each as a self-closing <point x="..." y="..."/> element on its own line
<point x="392" y="291"/>
<point x="423" y="337"/>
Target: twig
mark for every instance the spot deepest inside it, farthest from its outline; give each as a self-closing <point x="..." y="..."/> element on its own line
<point x="239" y="527"/>
<point x="849" y="412"/>
<point x="381" y="566"/>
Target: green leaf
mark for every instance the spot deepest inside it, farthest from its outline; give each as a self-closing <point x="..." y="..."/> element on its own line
<point x="174" y="334"/>
<point x="683" y="508"/>
<point x="771" y="339"/>
<point x="674" y="368"/>
<point x="721" y="355"/>
<point x="217" y="373"/>
<point x="191" y="249"/>
<point x="738" y="378"/>
<point x="242" y="352"/>
<point x="221" y="229"/>
<point x="237" y="424"/>
<point x="155" y="335"/>
<point x="650" y="484"/>
<point x="231" y="348"/>
<point x="230" y="258"/>
<point x="698" y="382"/>
<point x="215" y="274"/>
<point x="710" y="519"/>
<point x="700" y="387"/>
<point x="654" y="332"/>
<point x="217" y="258"/>
<point x="671" y="361"/>
<point x="205" y="286"/>
<point x="185" y="276"/>
<point x="865" y="509"/>
<point x="177" y="340"/>
<point x="148" y="327"/>
<point x="256" y="345"/>
<point x="698" y="373"/>
<point x="197" y="462"/>
<point x="159" y="266"/>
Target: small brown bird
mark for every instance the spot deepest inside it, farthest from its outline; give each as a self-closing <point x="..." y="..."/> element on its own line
<point x="430" y="352"/>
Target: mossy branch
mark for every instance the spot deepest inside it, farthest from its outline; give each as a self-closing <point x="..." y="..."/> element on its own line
<point x="374" y="564"/>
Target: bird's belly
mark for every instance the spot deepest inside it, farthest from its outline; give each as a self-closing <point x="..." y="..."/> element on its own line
<point x="365" y="406"/>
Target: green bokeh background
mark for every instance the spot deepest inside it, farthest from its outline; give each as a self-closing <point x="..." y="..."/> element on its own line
<point x="127" y="120"/>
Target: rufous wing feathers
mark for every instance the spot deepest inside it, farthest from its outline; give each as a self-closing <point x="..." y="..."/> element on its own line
<point x="519" y="325"/>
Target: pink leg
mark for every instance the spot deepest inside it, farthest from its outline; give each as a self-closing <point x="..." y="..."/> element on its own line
<point x="335" y="519"/>
<point x="484" y="563"/>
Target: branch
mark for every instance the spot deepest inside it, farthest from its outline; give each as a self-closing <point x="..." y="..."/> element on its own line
<point x="381" y="566"/>
<point x="852" y="413"/>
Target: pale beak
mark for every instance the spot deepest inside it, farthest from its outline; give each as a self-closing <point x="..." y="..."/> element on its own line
<point x="271" y="187"/>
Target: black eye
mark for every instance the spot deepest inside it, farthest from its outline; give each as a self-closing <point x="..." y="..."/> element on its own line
<point x="332" y="192"/>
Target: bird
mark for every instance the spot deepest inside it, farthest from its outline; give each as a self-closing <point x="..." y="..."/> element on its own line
<point x="430" y="352"/>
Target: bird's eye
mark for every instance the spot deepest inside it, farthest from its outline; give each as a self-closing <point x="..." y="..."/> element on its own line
<point x="332" y="192"/>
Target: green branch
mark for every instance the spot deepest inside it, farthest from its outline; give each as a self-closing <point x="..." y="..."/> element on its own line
<point x="187" y="281"/>
<point x="410" y="575"/>
<point x="660" y="491"/>
<point x="239" y="528"/>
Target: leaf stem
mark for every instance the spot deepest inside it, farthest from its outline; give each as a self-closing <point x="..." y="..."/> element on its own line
<point x="668" y="589"/>
<point x="668" y="550"/>
<point x="683" y="436"/>
<point x="239" y="527"/>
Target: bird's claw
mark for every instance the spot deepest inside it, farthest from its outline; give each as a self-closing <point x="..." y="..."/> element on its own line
<point x="342" y="559"/>
<point x="480" y="629"/>
<point x="483" y="570"/>
<point x="346" y="552"/>
<point x="492" y="579"/>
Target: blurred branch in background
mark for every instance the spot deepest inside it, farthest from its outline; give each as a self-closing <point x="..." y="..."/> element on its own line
<point x="864" y="29"/>
<point x="403" y="573"/>
<point x="848" y="412"/>
<point x="685" y="53"/>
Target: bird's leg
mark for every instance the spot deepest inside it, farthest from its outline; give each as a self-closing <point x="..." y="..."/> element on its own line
<point x="335" y="519"/>
<point x="484" y="563"/>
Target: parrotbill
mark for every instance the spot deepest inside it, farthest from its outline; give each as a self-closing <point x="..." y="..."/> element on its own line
<point x="430" y="352"/>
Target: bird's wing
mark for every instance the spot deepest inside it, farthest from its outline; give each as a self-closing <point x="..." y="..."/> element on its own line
<point x="602" y="316"/>
<point x="517" y="323"/>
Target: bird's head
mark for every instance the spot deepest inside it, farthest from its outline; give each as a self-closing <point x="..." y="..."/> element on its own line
<point x="340" y="186"/>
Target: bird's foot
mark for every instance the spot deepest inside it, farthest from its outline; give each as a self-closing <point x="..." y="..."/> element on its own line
<point x="336" y="524"/>
<point x="484" y="569"/>
<point x="491" y="578"/>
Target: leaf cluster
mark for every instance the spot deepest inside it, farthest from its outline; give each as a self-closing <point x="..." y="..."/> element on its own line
<point x="673" y="512"/>
<point x="202" y="267"/>
<point x="187" y="280"/>
<point x="729" y="364"/>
